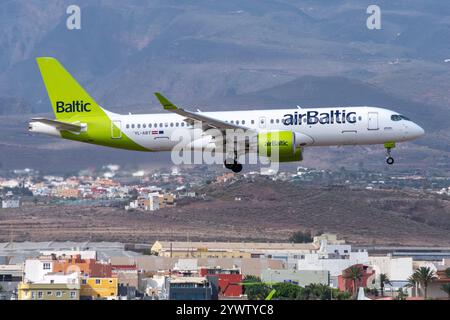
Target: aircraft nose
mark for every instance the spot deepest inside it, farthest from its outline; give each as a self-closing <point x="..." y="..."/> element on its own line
<point x="417" y="131"/>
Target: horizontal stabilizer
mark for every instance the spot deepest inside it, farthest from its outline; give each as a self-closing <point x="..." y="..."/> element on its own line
<point x="59" y="125"/>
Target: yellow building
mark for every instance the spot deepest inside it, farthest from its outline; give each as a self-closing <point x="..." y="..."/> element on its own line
<point x="99" y="288"/>
<point x="48" y="291"/>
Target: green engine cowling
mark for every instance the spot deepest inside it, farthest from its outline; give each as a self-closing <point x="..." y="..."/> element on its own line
<point x="279" y="146"/>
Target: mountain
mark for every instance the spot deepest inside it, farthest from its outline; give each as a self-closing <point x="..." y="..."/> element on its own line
<point x="229" y="54"/>
<point x="205" y="49"/>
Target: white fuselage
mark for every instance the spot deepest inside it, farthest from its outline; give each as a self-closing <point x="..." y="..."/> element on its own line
<point x="320" y="126"/>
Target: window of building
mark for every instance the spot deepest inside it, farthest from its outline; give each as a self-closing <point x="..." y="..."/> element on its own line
<point x="73" y="294"/>
<point x="40" y="294"/>
<point x="97" y="281"/>
<point x="83" y="281"/>
<point x="49" y="293"/>
<point x="33" y="295"/>
<point x="46" y="266"/>
<point x="59" y="294"/>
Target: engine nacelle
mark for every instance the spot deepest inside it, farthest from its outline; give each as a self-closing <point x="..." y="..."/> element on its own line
<point x="282" y="146"/>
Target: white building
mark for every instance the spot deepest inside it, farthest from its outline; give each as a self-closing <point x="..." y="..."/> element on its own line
<point x="333" y="258"/>
<point x="397" y="270"/>
<point x="157" y="287"/>
<point x="61" y="278"/>
<point x="36" y="269"/>
<point x="153" y="199"/>
<point x="10" y="203"/>
<point x="85" y="254"/>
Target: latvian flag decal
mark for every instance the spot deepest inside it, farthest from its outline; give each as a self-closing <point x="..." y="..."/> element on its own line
<point x="157" y="132"/>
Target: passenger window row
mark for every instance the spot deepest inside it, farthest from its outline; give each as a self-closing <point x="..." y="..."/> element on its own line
<point x="156" y="125"/>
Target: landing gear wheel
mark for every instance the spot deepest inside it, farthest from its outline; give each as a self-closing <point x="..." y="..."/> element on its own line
<point x="389" y="146"/>
<point x="390" y="160"/>
<point x="236" y="168"/>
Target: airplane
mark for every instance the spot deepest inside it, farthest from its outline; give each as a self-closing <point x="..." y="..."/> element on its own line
<point x="281" y="132"/>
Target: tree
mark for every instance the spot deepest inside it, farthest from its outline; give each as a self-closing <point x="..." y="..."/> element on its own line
<point x="446" y="288"/>
<point x="254" y="290"/>
<point x="383" y="281"/>
<point x="447" y="272"/>
<point x="285" y="290"/>
<point x="424" y="275"/>
<point x="355" y="273"/>
<point x="412" y="281"/>
<point x="320" y="291"/>
<point x="300" y="237"/>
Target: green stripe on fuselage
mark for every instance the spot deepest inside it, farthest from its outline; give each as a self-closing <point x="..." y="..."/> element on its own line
<point x="99" y="131"/>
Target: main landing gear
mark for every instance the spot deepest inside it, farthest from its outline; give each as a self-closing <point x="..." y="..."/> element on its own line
<point x="233" y="165"/>
<point x="389" y="158"/>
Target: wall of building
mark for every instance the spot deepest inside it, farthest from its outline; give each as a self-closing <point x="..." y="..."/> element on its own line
<point x="299" y="277"/>
<point x="54" y="291"/>
<point x="98" y="288"/>
<point x="36" y="269"/>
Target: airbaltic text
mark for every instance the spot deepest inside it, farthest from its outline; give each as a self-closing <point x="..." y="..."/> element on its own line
<point x="313" y="117"/>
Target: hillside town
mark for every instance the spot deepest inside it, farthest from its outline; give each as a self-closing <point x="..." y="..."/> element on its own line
<point x="325" y="268"/>
<point x="320" y="267"/>
<point x="155" y="189"/>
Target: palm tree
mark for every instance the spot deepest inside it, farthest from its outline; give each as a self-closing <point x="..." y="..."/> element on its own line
<point x="384" y="280"/>
<point x="424" y="275"/>
<point x="355" y="273"/>
<point x="446" y="288"/>
<point x="412" y="281"/>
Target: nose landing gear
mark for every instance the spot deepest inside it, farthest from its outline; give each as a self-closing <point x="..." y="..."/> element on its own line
<point x="389" y="146"/>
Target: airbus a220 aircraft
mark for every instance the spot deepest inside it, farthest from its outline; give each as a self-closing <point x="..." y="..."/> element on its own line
<point x="80" y="118"/>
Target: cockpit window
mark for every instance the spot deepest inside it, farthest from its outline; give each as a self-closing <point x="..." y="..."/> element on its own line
<point x="398" y="117"/>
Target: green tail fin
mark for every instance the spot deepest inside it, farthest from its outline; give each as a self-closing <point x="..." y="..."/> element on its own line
<point x="69" y="100"/>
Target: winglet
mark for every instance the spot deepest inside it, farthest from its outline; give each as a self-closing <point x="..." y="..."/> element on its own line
<point x="164" y="102"/>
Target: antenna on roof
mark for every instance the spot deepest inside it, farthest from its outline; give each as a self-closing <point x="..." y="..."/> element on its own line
<point x="298" y="107"/>
<point x="198" y="110"/>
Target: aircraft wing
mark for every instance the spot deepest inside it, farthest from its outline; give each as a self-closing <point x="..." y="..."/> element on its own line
<point x="59" y="125"/>
<point x="191" y="117"/>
